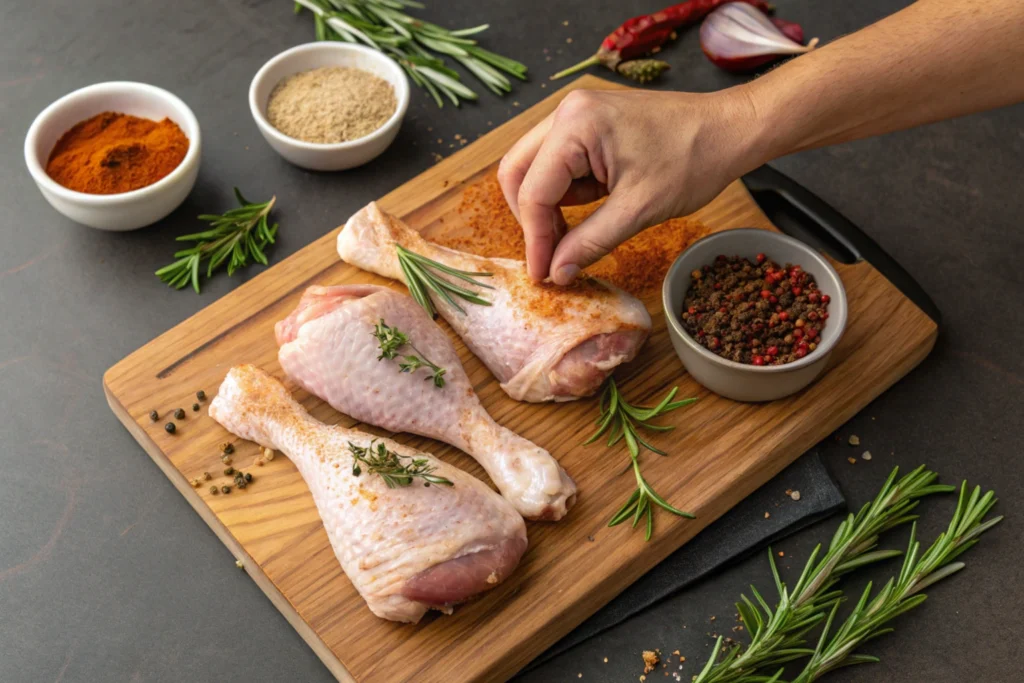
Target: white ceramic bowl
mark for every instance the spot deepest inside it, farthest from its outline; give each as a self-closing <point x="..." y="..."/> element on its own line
<point x="126" y="210"/>
<point x="740" y="381"/>
<point x="328" y="156"/>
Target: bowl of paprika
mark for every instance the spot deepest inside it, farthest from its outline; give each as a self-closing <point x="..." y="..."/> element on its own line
<point x="115" y="156"/>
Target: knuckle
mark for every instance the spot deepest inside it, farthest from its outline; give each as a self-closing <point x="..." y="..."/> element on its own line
<point x="509" y="170"/>
<point x="576" y="104"/>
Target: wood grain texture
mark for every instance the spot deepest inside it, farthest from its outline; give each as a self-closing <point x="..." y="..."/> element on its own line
<point x="721" y="451"/>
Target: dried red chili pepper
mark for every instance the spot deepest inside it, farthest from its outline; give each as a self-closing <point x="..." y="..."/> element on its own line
<point x="640" y="35"/>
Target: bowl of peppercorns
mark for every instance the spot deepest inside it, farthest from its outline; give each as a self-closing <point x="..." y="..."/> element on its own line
<point x="753" y="314"/>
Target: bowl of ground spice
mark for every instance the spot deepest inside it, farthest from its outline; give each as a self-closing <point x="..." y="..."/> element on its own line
<point x="329" y="106"/>
<point x="115" y="156"/>
<point x="753" y="314"/>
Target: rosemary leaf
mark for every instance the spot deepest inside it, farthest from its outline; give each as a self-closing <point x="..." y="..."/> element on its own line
<point x="241" y="234"/>
<point x="903" y="594"/>
<point x="620" y="420"/>
<point x="418" y="46"/>
<point x="777" y="636"/>
<point x="421" y="278"/>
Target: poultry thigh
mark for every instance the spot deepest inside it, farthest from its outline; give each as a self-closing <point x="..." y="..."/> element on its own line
<point x="330" y="346"/>
<point x="541" y="341"/>
<point x="406" y="546"/>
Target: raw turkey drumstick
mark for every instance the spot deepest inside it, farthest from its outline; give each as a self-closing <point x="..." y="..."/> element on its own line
<point x="542" y="342"/>
<point x="406" y="547"/>
<point x="329" y="345"/>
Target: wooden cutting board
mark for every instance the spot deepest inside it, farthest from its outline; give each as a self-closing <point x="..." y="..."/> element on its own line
<point x="720" y="451"/>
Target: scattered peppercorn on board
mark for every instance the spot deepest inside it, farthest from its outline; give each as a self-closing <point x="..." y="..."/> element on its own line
<point x="719" y="453"/>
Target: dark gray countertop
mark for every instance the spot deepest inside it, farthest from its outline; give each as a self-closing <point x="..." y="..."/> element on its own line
<point x="106" y="574"/>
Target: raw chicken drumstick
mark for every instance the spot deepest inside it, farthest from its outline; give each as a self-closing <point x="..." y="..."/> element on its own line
<point x="328" y="346"/>
<point x="406" y="549"/>
<point x="542" y="342"/>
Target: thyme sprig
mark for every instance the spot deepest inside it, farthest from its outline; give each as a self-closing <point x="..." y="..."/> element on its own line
<point x="416" y="45"/>
<point x="777" y="636"/>
<point x="391" y="339"/>
<point x="421" y="280"/>
<point x="621" y="420"/>
<point x="237" y="237"/>
<point x="396" y="470"/>
<point x="902" y="594"/>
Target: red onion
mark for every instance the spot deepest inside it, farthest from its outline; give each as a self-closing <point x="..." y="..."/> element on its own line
<point x="739" y="37"/>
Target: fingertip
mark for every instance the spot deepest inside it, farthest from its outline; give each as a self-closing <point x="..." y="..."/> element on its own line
<point x="565" y="275"/>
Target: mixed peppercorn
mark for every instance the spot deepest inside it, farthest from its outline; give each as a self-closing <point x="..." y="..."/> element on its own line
<point x="759" y="313"/>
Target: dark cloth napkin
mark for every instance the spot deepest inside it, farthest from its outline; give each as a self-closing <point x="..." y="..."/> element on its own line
<point x="737" y="533"/>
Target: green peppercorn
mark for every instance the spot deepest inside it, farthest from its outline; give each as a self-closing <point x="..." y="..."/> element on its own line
<point x="154" y="416"/>
<point x="179" y="414"/>
<point x="195" y="407"/>
<point x="214" y="490"/>
<point x="225" y="489"/>
<point x="248" y="477"/>
<point x="169" y="427"/>
<point x="229" y="471"/>
<point x="227" y="448"/>
<point x="201" y="395"/>
<point x="240" y="483"/>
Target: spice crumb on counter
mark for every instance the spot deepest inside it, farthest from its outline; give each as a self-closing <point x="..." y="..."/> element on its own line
<point x="852" y="461"/>
<point x="651" y="659"/>
<point x="239" y="564"/>
<point x="854" y="440"/>
<point x="866" y="455"/>
<point x="767" y="515"/>
<point x="795" y="495"/>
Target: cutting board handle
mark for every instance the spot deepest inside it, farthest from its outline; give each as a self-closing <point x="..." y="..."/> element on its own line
<point x="799" y="212"/>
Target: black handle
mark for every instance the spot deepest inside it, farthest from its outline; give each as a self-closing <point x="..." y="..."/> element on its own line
<point x="799" y="212"/>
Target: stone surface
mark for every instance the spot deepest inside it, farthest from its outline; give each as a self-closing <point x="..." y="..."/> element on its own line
<point x="107" y="575"/>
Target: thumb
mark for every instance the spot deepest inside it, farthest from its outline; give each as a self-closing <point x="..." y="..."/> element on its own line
<point x="613" y="223"/>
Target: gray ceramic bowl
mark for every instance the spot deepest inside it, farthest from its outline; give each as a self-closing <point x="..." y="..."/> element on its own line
<point x="739" y="381"/>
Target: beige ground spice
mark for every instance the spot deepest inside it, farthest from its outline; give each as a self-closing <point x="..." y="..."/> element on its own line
<point x="331" y="104"/>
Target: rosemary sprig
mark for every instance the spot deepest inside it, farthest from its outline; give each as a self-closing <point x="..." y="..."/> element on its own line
<point x="777" y="636"/>
<point x="414" y="44"/>
<point x="391" y="339"/>
<point x="621" y="420"/>
<point x="240" y="235"/>
<point x="903" y="593"/>
<point x="421" y="280"/>
<point x="396" y="470"/>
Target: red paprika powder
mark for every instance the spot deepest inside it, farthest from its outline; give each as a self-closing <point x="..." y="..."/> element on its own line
<point x="112" y="153"/>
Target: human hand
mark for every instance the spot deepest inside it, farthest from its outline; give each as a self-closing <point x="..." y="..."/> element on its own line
<point x="655" y="154"/>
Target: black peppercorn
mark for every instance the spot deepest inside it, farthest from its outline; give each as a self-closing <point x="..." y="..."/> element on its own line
<point x="227" y="449"/>
<point x="195" y="407"/>
<point x="201" y="395"/>
<point x="169" y="427"/>
<point x="229" y="471"/>
<point x="179" y="414"/>
<point x="154" y="416"/>
<point x="248" y="477"/>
